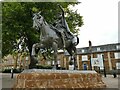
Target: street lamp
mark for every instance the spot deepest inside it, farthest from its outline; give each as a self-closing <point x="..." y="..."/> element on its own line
<point x="90" y="51"/>
<point x="104" y="66"/>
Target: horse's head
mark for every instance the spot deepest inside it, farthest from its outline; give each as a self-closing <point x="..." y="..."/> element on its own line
<point x="37" y="21"/>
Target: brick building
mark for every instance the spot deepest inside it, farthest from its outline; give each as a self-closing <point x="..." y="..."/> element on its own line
<point x="109" y="52"/>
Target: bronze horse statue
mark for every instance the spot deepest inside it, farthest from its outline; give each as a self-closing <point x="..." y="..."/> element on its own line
<point x="51" y="38"/>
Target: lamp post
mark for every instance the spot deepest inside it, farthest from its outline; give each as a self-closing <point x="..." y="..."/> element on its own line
<point x="90" y="62"/>
<point x="90" y="51"/>
<point x="104" y="66"/>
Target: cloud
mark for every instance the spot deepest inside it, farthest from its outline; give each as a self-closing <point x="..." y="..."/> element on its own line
<point x="100" y="22"/>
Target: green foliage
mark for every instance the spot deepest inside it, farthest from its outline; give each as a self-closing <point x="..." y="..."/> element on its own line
<point x="17" y="23"/>
<point x="9" y="71"/>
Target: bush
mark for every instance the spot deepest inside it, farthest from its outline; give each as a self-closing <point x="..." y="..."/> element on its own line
<point x="9" y="71"/>
<point x="60" y="68"/>
<point x="6" y="71"/>
<point x="44" y="67"/>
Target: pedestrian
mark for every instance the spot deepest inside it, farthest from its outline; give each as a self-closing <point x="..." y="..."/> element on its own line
<point x="114" y="72"/>
<point x="85" y="67"/>
<point x="12" y="72"/>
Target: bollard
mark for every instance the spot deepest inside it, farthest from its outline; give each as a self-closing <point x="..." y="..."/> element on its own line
<point x="12" y="73"/>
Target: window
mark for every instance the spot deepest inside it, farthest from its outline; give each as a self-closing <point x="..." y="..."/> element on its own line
<point x="117" y="65"/>
<point x="117" y="55"/>
<point x="99" y="56"/>
<point x="84" y="58"/>
<point x="98" y="49"/>
<point x="83" y="50"/>
<point x="118" y="46"/>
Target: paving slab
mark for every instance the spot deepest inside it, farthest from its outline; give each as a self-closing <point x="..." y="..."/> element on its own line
<point x="111" y="82"/>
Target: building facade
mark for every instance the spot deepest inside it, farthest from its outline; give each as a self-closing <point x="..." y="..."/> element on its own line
<point x="99" y="57"/>
<point x="108" y="56"/>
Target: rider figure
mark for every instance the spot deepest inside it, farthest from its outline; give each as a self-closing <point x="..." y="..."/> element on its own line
<point x="63" y="21"/>
<point x="62" y="26"/>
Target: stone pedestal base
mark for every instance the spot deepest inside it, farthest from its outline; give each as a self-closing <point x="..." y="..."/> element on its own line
<point x="58" y="79"/>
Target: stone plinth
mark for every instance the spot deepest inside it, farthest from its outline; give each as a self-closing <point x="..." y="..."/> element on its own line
<point x="37" y="78"/>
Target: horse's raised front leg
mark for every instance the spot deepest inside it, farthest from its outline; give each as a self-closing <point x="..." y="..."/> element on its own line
<point x="34" y="47"/>
<point x="55" y="47"/>
<point x="33" y="59"/>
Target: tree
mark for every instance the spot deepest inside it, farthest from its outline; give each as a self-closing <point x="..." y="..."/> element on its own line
<point x="17" y="31"/>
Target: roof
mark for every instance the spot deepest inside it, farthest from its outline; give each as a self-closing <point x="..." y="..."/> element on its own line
<point x="97" y="49"/>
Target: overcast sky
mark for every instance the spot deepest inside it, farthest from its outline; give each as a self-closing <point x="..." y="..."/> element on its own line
<point x="100" y="19"/>
<point x="100" y="22"/>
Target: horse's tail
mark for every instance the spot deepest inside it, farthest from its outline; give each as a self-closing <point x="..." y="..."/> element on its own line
<point x="77" y="40"/>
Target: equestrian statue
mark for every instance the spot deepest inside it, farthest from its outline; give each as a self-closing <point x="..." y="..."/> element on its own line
<point x="56" y="36"/>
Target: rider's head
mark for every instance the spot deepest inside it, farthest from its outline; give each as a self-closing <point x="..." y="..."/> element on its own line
<point x="59" y="16"/>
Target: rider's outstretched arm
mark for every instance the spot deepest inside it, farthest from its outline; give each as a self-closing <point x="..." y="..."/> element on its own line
<point x="61" y="10"/>
<point x="63" y="17"/>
